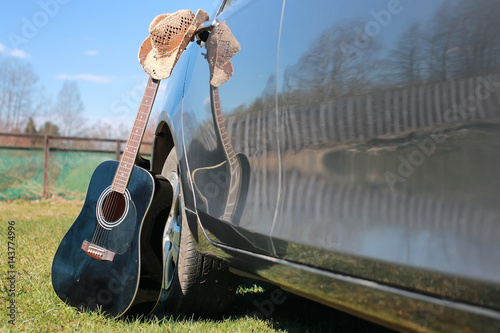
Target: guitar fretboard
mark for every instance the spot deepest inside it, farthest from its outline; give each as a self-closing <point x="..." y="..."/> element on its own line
<point x="131" y="150"/>
<point x="234" y="167"/>
<point x="226" y="142"/>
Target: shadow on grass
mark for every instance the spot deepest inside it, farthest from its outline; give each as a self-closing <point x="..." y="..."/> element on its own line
<point x="292" y="313"/>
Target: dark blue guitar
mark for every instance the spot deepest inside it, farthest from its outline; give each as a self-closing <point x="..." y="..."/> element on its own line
<point x="110" y="258"/>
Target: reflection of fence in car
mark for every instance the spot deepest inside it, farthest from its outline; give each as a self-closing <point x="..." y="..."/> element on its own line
<point x="357" y="207"/>
<point x="391" y="112"/>
<point x="352" y="119"/>
<point x="355" y="118"/>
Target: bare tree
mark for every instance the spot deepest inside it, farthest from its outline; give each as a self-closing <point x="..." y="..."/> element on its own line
<point x="463" y="40"/>
<point x="339" y="62"/>
<point x="18" y="85"/>
<point x="68" y="108"/>
<point x="479" y="38"/>
<point x="407" y="58"/>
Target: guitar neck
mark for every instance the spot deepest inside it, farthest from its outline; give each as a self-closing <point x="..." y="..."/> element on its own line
<point x="234" y="167"/>
<point x="221" y="126"/>
<point x="131" y="150"/>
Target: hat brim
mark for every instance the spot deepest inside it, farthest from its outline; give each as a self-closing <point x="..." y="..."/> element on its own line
<point x="219" y="75"/>
<point x="161" y="67"/>
<point x="157" y="68"/>
<point x="221" y="47"/>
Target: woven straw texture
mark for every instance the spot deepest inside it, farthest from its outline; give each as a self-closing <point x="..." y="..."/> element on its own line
<point x="169" y="34"/>
<point x="221" y="47"/>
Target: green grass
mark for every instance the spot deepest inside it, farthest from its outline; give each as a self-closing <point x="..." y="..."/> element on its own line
<point x="40" y="225"/>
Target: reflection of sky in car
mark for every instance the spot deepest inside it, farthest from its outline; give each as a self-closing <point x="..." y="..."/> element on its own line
<point x="296" y="31"/>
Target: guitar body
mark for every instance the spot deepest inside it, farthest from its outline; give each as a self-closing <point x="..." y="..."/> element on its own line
<point x="98" y="264"/>
<point x="223" y="189"/>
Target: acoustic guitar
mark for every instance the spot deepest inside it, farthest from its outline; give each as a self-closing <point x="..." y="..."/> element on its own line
<point x="230" y="177"/>
<point x="110" y="258"/>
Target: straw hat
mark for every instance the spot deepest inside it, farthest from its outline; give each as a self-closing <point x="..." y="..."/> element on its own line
<point x="169" y="34"/>
<point x="221" y="47"/>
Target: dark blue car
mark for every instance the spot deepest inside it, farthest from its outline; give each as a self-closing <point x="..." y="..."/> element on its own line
<point x="347" y="151"/>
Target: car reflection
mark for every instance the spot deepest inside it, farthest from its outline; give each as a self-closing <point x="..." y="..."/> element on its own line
<point x="373" y="142"/>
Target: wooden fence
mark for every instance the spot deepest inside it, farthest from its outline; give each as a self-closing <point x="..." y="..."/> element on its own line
<point x="343" y="119"/>
<point x="48" y="143"/>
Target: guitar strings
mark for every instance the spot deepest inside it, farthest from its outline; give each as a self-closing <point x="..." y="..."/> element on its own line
<point x="112" y="204"/>
<point x="109" y="209"/>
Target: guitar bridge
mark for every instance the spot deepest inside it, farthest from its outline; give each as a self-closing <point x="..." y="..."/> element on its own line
<point x="97" y="252"/>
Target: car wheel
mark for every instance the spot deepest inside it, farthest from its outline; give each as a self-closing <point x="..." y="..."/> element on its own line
<point x="193" y="283"/>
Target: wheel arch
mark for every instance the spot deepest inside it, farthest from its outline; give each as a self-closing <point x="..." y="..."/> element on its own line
<point x="163" y="142"/>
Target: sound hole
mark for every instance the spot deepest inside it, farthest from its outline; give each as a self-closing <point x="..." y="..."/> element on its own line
<point x="113" y="206"/>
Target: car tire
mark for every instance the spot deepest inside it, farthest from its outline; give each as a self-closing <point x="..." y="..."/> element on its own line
<point x="193" y="282"/>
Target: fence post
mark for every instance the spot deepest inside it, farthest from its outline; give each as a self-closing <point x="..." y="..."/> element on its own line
<point x="45" y="167"/>
<point x="118" y="149"/>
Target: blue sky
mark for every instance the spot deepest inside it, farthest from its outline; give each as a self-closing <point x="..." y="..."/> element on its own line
<point x="93" y="42"/>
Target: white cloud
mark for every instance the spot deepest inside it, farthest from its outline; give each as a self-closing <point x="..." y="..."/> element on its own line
<point x="13" y="53"/>
<point x="19" y="54"/>
<point x="91" y="52"/>
<point x="86" y="77"/>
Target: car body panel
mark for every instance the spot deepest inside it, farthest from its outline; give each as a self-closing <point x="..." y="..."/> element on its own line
<point x="390" y="157"/>
<point x="368" y="136"/>
<point x="204" y="150"/>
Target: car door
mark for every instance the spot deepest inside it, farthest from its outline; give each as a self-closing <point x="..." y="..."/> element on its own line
<point x="229" y="138"/>
<point x="388" y="114"/>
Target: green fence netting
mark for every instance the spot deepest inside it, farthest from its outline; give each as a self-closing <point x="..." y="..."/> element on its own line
<point x="68" y="173"/>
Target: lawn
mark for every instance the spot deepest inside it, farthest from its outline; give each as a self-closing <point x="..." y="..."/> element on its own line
<point x="38" y="228"/>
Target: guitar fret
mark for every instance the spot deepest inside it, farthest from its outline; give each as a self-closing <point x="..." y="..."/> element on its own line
<point x="121" y="179"/>
<point x="127" y="165"/>
<point x="129" y="155"/>
<point x="123" y="174"/>
<point x="120" y="184"/>
<point x="128" y="158"/>
<point x="128" y="162"/>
